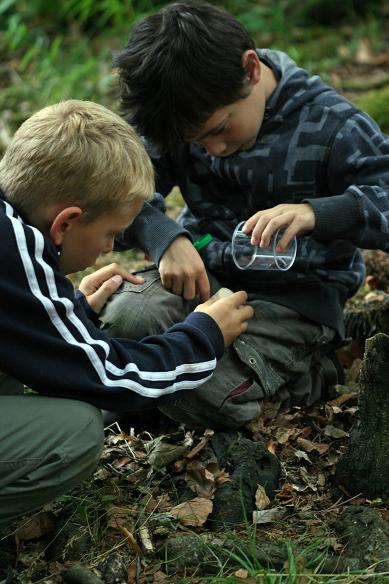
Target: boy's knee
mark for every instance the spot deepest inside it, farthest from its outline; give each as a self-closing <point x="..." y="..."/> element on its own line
<point x="137" y="311"/>
<point x="119" y="316"/>
<point x="56" y="444"/>
<point x="86" y="441"/>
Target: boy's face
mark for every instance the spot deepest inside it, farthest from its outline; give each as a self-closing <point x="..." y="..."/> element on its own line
<point x="83" y="242"/>
<point x="235" y="127"/>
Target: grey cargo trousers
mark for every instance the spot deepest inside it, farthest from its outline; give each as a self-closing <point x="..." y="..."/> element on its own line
<point x="47" y="446"/>
<point x="282" y="355"/>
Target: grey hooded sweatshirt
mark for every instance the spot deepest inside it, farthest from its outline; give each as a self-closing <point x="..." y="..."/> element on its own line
<point x="313" y="146"/>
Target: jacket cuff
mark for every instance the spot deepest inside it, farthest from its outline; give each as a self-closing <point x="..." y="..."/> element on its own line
<point x="208" y="326"/>
<point x="91" y="314"/>
<point x="335" y="217"/>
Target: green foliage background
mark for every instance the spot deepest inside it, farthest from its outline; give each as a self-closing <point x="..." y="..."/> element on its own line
<point x="57" y="50"/>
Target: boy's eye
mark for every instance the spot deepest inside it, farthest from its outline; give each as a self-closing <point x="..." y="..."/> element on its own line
<point x="223" y="127"/>
<point x="219" y="131"/>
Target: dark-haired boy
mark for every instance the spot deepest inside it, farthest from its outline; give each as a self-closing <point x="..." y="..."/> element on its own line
<point x="247" y="135"/>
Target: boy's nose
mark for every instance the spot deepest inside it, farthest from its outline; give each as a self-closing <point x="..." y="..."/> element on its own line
<point x="214" y="146"/>
<point x="109" y="247"/>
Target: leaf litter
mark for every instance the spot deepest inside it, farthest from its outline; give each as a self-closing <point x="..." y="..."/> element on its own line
<point x="152" y="486"/>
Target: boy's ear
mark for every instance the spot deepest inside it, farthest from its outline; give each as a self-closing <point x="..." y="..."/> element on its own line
<point x="63" y="222"/>
<point x="252" y="65"/>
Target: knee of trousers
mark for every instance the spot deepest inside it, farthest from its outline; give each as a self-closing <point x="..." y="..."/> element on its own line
<point x="138" y="311"/>
<point x="85" y="442"/>
<point x="50" y="446"/>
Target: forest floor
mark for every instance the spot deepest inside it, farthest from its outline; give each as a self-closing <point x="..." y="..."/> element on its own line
<point x="166" y="503"/>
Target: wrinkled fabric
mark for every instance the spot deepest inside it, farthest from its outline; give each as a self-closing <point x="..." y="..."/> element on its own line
<point x="281" y="356"/>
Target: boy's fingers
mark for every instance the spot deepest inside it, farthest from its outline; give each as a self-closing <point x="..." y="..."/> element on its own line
<point x="116" y="269"/>
<point x="109" y="287"/>
<point x="98" y="299"/>
<point x="203" y="287"/>
<point x="135" y="279"/>
<point x="247" y="311"/>
<point x="239" y="297"/>
<point x="189" y="291"/>
<point x="250" y="223"/>
<point x="285" y="240"/>
<point x="244" y="327"/>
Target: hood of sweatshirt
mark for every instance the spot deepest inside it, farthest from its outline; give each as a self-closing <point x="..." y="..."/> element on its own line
<point x="295" y="87"/>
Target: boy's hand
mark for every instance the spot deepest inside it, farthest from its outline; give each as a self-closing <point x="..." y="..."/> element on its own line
<point x="100" y="285"/>
<point x="299" y="219"/>
<point x="182" y="270"/>
<point x="231" y="314"/>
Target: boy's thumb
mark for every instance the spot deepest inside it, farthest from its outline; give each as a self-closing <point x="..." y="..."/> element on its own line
<point x="98" y="299"/>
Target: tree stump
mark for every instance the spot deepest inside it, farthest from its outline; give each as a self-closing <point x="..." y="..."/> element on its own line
<point x="366" y="316"/>
<point x="364" y="469"/>
<point x="363" y="319"/>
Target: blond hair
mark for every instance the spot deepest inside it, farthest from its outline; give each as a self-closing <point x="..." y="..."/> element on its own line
<point x="77" y="153"/>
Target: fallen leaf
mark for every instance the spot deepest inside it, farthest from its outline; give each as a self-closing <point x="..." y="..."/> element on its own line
<point x="242" y="574"/>
<point x="321" y="479"/>
<point x="222" y="477"/>
<point x="334" y="432"/>
<point x="309" y="446"/>
<point x="307" y="479"/>
<point x="194" y="512"/>
<point x="121" y="462"/>
<point x="375" y="296"/>
<point x="286" y="493"/>
<point x="200" y="480"/>
<point x="268" y="515"/>
<point x="262" y="501"/>
<point x="101" y="474"/>
<point x="272" y="446"/>
<point x="283" y="435"/>
<point x="345" y="397"/>
<point x="162" y="451"/>
<point x="132" y="572"/>
<point x="301" y="454"/>
<point x="203" y="442"/>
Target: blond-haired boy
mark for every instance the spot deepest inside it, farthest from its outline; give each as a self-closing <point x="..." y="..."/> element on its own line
<point x="73" y="177"/>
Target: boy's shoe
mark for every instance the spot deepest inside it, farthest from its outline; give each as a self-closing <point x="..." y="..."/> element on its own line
<point x="332" y="373"/>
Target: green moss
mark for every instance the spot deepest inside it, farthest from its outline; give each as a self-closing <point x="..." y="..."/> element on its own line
<point x="376" y="104"/>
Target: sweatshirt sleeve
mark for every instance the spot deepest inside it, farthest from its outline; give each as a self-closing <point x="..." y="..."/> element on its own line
<point x="358" y="172"/>
<point x="48" y="342"/>
<point x="153" y="231"/>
